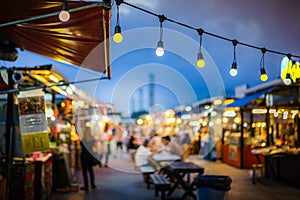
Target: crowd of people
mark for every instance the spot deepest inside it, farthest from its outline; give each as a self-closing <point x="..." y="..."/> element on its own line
<point x="116" y="139"/>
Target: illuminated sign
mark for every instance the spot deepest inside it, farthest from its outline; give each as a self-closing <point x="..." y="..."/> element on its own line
<point x="33" y="122"/>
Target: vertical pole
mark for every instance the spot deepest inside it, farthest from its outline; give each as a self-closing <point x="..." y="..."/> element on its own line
<point x="242" y="139"/>
<point x="210" y="139"/>
<point x="251" y="122"/>
<point x="269" y="142"/>
<point x="9" y="132"/>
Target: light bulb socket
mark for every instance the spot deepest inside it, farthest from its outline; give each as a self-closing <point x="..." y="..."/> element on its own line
<point x="234" y="65"/>
<point x="117" y="29"/>
<point x="200" y="56"/>
<point x="262" y="71"/>
<point x="160" y="44"/>
<point x="65" y="6"/>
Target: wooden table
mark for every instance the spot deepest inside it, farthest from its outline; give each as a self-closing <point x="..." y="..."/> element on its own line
<point x="179" y="170"/>
<point x="166" y="157"/>
<point x="158" y="159"/>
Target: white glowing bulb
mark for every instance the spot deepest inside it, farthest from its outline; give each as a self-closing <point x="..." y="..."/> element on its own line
<point x="160" y="49"/>
<point x="64" y="16"/>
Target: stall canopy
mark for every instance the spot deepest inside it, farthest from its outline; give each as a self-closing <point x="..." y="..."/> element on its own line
<point x="34" y="25"/>
<point x="247" y="99"/>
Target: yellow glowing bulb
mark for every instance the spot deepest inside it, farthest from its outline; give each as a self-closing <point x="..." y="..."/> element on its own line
<point x="264" y="77"/>
<point x="200" y="60"/>
<point x="118" y="37"/>
<point x="200" y="63"/>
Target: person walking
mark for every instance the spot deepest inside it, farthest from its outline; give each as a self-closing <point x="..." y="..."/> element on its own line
<point x="87" y="162"/>
<point x="106" y="140"/>
<point x="119" y="140"/>
<point x="185" y="140"/>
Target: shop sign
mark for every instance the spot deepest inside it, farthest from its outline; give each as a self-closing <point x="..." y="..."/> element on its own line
<point x="33" y="122"/>
<point x="233" y="152"/>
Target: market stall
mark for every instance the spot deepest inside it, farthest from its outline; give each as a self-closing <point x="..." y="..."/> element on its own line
<point x="260" y="119"/>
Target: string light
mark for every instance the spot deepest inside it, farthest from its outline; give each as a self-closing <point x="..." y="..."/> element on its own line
<point x="288" y="78"/>
<point x="160" y="45"/>
<point x="234" y="64"/>
<point x="200" y="59"/>
<point x="118" y="34"/>
<point x="233" y="71"/>
<point x="263" y="74"/>
<point x="64" y="14"/>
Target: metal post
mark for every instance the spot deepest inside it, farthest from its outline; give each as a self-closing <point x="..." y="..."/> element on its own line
<point x="242" y="139"/>
<point x="269" y="142"/>
<point x="9" y="132"/>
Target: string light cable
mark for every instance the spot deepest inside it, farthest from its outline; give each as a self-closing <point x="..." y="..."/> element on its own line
<point x="233" y="71"/>
<point x="263" y="74"/>
<point x="16" y="90"/>
<point x="160" y="45"/>
<point x="206" y="32"/>
<point x="118" y="33"/>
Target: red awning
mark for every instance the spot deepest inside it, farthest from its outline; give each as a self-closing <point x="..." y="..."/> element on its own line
<point x="82" y="41"/>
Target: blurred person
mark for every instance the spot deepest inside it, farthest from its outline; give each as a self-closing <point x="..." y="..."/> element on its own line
<point x="132" y="145"/>
<point x="119" y="140"/>
<point x="290" y="130"/>
<point x="87" y="162"/>
<point x="185" y="140"/>
<point x="172" y="146"/>
<point x="286" y="141"/>
<point x="156" y="143"/>
<point x="142" y="153"/>
<point x="106" y="139"/>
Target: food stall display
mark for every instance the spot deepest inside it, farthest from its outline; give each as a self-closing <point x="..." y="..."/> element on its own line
<point x="266" y="118"/>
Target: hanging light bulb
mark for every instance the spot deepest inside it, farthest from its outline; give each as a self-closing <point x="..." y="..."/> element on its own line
<point x="160" y="45"/>
<point x="200" y="59"/>
<point x="160" y="48"/>
<point x="263" y="74"/>
<point x="233" y="71"/>
<point x="64" y="14"/>
<point x="288" y="79"/>
<point x="118" y="34"/>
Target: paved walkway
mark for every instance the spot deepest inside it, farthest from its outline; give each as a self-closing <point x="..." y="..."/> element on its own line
<point x="121" y="181"/>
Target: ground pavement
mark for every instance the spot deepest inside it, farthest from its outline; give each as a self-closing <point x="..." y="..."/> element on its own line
<point x="122" y="181"/>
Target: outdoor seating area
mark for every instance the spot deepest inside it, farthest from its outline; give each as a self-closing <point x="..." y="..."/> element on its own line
<point x="94" y="105"/>
<point x="171" y="174"/>
<point x="130" y="183"/>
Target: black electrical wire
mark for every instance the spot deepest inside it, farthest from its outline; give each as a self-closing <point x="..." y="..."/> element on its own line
<point x="15" y="90"/>
<point x="205" y="32"/>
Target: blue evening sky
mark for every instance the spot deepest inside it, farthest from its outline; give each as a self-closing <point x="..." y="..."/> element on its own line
<point x="273" y="24"/>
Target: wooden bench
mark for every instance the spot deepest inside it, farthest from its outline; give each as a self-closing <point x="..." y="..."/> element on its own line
<point x="161" y="183"/>
<point x="147" y="171"/>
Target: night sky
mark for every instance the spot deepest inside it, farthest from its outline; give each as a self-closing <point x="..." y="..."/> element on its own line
<point x="273" y="24"/>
